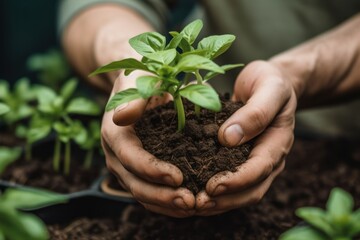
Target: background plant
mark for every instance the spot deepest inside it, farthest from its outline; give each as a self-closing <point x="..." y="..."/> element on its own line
<point x="171" y="65"/>
<point x="15" y="224"/>
<point x="55" y="113"/>
<point x="337" y="222"/>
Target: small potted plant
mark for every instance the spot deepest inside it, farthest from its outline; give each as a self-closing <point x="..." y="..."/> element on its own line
<point x="171" y="67"/>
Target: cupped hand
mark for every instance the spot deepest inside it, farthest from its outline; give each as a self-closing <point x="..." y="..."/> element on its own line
<point x="269" y="115"/>
<point x="152" y="182"/>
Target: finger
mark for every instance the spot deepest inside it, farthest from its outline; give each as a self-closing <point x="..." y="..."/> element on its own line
<point x="207" y="206"/>
<point x="264" y="93"/>
<point x="148" y="193"/>
<point x="268" y="153"/>
<point x="123" y="143"/>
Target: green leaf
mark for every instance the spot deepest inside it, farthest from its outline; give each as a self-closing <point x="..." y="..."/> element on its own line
<point x="68" y="89"/>
<point x="147" y="86"/>
<point x="7" y="156"/>
<point x="148" y="42"/>
<point x="122" y="97"/>
<point x="303" y="233"/>
<point x="340" y="204"/>
<point x="4" y="108"/>
<point x="191" y="31"/>
<point x="354" y="228"/>
<point x="203" y="96"/>
<point x="45" y="98"/>
<point x="36" y="133"/>
<point x="191" y="63"/>
<point x="128" y="64"/>
<point x="2" y="236"/>
<point x="227" y="67"/>
<point x="4" y="89"/>
<point x="83" y="106"/>
<point x="16" y="225"/>
<point x="216" y="45"/>
<point x="27" y="199"/>
<point x="22" y="89"/>
<point x="175" y="41"/>
<point x="165" y="57"/>
<point x="316" y="217"/>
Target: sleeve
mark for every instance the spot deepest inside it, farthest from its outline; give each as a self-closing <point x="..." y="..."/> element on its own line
<point x="154" y="11"/>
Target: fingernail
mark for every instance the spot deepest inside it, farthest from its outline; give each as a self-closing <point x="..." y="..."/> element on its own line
<point x="179" y="202"/>
<point x="121" y="107"/>
<point x="169" y="180"/>
<point x="233" y="135"/>
<point x="219" y="190"/>
<point x="208" y="205"/>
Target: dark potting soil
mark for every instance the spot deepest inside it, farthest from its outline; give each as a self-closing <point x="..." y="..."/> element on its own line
<point x="196" y="150"/>
<point x="313" y="168"/>
<point x="40" y="173"/>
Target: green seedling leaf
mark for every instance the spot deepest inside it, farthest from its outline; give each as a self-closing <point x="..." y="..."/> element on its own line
<point x="27" y="199"/>
<point x="123" y="97"/>
<point x="303" y="233"/>
<point x="4" y="89"/>
<point x="23" y="90"/>
<point x="147" y="86"/>
<point x="129" y="64"/>
<point x="316" y="217"/>
<point x="203" y="96"/>
<point x="7" y="156"/>
<point x="148" y="42"/>
<point x="340" y="205"/>
<point x="164" y="57"/>
<point x="355" y="223"/>
<point x="191" y="31"/>
<point x="68" y="89"/>
<point x="16" y="225"/>
<point x="4" y="108"/>
<point x="175" y="41"/>
<point x="227" y="67"/>
<point x="216" y="45"/>
<point x="191" y="63"/>
<point x="83" y="106"/>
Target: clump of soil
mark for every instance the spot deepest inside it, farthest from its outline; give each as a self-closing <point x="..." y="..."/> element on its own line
<point x="313" y="169"/>
<point x="196" y="150"/>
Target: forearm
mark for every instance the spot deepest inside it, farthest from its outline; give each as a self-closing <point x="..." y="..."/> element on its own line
<point x="327" y="68"/>
<point x="100" y="35"/>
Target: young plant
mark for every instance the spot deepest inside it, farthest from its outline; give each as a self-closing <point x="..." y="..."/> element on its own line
<point x="55" y="114"/>
<point x="51" y="67"/>
<point x="18" y="100"/>
<point x="15" y="224"/>
<point x="171" y="65"/>
<point x="337" y="222"/>
<point x="91" y="142"/>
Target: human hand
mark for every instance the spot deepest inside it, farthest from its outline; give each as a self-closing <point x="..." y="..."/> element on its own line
<point x="152" y="182"/>
<point x="268" y="114"/>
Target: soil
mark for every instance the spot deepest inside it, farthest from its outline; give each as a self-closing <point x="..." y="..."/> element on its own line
<point x="196" y="150"/>
<point x="38" y="172"/>
<point x="313" y="168"/>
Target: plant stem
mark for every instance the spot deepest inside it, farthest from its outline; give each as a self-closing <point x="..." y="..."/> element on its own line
<point x="67" y="158"/>
<point x="56" y="160"/>
<point x="199" y="81"/>
<point x="180" y="112"/>
<point x="88" y="158"/>
<point x="28" y="151"/>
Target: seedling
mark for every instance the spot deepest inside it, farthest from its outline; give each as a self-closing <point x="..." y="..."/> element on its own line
<point x="51" y="67"/>
<point x="55" y="111"/>
<point x="337" y="222"/>
<point x="18" y="100"/>
<point x="15" y="224"/>
<point x="171" y="65"/>
<point x="91" y="142"/>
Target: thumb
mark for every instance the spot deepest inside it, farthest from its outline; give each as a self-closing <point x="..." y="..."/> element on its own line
<point x="128" y="113"/>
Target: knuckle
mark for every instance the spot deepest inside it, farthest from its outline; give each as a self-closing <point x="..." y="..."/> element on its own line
<point x="259" y="118"/>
